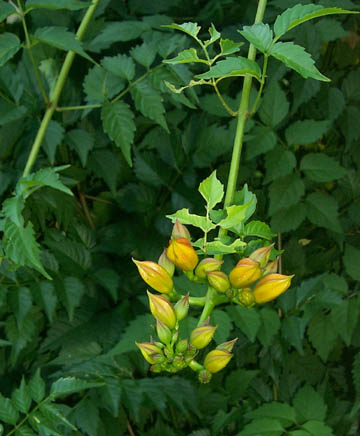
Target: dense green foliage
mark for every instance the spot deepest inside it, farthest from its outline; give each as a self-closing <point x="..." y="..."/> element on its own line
<point x="71" y="301"/>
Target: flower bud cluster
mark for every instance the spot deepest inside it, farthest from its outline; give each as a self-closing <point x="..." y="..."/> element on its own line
<point x="253" y="280"/>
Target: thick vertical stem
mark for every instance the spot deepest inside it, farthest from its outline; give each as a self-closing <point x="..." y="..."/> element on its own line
<point x="57" y="90"/>
<point x="242" y="117"/>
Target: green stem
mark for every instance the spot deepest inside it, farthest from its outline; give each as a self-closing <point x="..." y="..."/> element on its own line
<point x="209" y="305"/>
<point x="262" y="83"/>
<point x="28" y="47"/>
<point x="58" y="89"/>
<point x="242" y="118"/>
<point x="76" y="108"/>
<point x="197" y="301"/>
<point x="223" y="102"/>
<point x="195" y="366"/>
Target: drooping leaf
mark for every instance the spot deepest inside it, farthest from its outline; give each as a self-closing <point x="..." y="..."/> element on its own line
<point x="232" y="67"/>
<point x="259" y="35"/>
<point x="12" y="209"/>
<point x="62" y="39"/>
<point x="295" y="57"/>
<point x="184" y="57"/>
<point x="298" y="14"/>
<point x="82" y="142"/>
<point x="100" y="85"/>
<point x="293" y="330"/>
<point x="185" y="217"/>
<point x="279" y="162"/>
<point x="270" y="326"/>
<point x="37" y="387"/>
<point x="72" y="291"/>
<point x="306" y="131"/>
<point x="287" y="219"/>
<point x="262" y="140"/>
<point x="118" y="121"/>
<point x="212" y="190"/>
<point x="309" y="405"/>
<point x="322" y="335"/>
<point x="86" y="417"/>
<point x="258" y="228"/>
<point x="46" y="297"/>
<point x="9" y="46"/>
<point x="228" y="46"/>
<point x="21" y="246"/>
<point x="345" y="317"/>
<point x="21" y="303"/>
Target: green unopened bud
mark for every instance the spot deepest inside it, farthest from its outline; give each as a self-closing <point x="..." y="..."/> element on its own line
<point x="262" y="255"/>
<point x="201" y="336"/>
<point x="179" y="362"/>
<point x="271" y="267"/>
<point x="216" y="360"/>
<point x="206" y="266"/>
<point x="219" y="281"/>
<point x="246" y="297"/>
<point x="182" y="307"/>
<point x="227" y="346"/>
<point x="157" y="367"/>
<point x="246" y="272"/>
<point x="149" y="350"/>
<point x="158" y="358"/>
<point x="155" y="276"/>
<point x="182" y="346"/>
<point x="166" y="263"/>
<point x="180" y="231"/>
<point x="162" y="309"/>
<point x="163" y="332"/>
<point x="204" y="376"/>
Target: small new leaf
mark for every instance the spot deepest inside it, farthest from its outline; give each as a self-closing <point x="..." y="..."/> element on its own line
<point x="185" y="217"/>
<point x="186" y="56"/>
<point x="9" y="46"/>
<point x="191" y="29"/>
<point x="212" y="190"/>
<point x="231" y="67"/>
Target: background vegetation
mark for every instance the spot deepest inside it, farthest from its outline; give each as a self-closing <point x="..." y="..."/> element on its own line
<point x="137" y="152"/>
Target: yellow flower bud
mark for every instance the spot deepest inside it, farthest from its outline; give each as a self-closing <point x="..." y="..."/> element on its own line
<point x="166" y="263"/>
<point x="246" y="272"/>
<point x="270" y="287"/>
<point x="155" y="276"/>
<point x="219" y="281"/>
<point x="261" y="255"/>
<point x="149" y="351"/>
<point x="201" y="336"/>
<point x="180" y="231"/>
<point x="207" y="265"/>
<point x="182" y="254"/>
<point x="162" y="309"/>
<point x="216" y="360"/>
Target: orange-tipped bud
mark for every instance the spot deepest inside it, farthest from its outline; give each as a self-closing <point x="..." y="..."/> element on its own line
<point x="272" y="267"/>
<point x="149" y="351"/>
<point x="182" y="307"/>
<point x="180" y="231"/>
<point x="219" y="281"/>
<point x="166" y="263"/>
<point x="246" y="297"/>
<point x="262" y="255"/>
<point x="227" y="346"/>
<point x="216" y="360"/>
<point x="201" y="336"/>
<point x="206" y="266"/>
<point x="246" y="272"/>
<point x="270" y="287"/>
<point x="155" y="276"/>
<point x="163" y="332"/>
<point x="162" y="309"/>
<point x="182" y="254"/>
